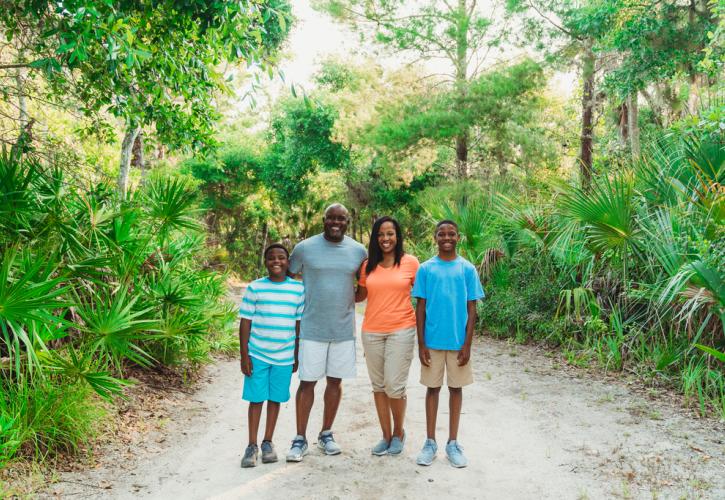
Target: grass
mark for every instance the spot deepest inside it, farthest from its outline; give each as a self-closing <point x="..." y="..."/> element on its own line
<point x="43" y="417"/>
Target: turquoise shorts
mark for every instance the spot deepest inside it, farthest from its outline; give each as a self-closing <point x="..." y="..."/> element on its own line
<point x="267" y="383"/>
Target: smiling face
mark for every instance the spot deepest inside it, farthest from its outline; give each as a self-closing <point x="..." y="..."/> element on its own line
<point x="335" y="223"/>
<point x="276" y="262"/>
<point x="387" y="238"/>
<point x="447" y="238"/>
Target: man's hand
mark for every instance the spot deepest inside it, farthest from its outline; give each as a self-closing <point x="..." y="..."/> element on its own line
<point x="424" y="355"/>
<point x="464" y="355"/>
<point x="246" y="363"/>
<point x="295" y="366"/>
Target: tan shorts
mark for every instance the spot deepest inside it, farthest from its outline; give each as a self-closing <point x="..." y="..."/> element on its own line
<point x="388" y="356"/>
<point x="445" y="361"/>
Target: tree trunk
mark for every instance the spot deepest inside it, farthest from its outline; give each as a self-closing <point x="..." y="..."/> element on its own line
<point x="461" y="65"/>
<point x="265" y="234"/>
<point x="587" y="135"/>
<point x="633" y="123"/>
<point x="126" y="147"/>
<point x="138" y="159"/>
<point x="22" y="104"/>
<point x="623" y="124"/>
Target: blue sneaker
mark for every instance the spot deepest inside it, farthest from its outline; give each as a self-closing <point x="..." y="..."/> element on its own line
<point x="327" y="443"/>
<point x="396" y="445"/>
<point x="381" y="448"/>
<point x="454" y="452"/>
<point x="297" y="450"/>
<point x="428" y="453"/>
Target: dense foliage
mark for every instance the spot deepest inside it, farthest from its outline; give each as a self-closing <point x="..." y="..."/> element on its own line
<point x="89" y="284"/>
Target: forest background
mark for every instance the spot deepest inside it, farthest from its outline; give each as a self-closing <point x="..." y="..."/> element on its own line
<point x="135" y="181"/>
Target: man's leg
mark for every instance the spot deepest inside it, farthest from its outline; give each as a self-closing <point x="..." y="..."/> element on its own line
<point x="303" y="404"/>
<point x="454" y="404"/>
<point x="333" y="395"/>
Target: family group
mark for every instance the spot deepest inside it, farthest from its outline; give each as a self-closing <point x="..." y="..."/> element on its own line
<point x="308" y="326"/>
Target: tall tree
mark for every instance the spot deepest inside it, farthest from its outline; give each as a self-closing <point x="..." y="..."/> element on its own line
<point x="149" y="63"/>
<point x="454" y="31"/>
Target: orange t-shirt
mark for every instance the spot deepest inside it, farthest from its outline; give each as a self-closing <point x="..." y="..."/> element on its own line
<point x="389" y="307"/>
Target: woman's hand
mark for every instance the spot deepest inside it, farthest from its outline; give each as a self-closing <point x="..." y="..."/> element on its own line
<point x="246" y="363"/>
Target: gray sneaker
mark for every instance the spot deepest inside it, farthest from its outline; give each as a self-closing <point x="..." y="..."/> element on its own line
<point x="454" y="452"/>
<point x="327" y="443"/>
<point x="297" y="450"/>
<point x="396" y="445"/>
<point x="428" y="453"/>
<point x="381" y="448"/>
<point x="268" y="454"/>
<point x="250" y="456"/>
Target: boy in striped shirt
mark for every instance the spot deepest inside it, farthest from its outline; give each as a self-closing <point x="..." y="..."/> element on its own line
<point x="268" y="342"/>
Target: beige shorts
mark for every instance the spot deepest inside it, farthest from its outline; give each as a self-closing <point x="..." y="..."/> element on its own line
<point x="445" y="361"/>
<point x="388" y="356"/>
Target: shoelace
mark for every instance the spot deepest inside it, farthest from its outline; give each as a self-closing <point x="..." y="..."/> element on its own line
<point x="326" y="438"/>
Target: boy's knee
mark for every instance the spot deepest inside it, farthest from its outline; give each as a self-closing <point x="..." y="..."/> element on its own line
<point x="455" y="390"/>
<point x="433" y="391"/>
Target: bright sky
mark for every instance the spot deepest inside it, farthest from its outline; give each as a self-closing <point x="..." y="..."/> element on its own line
<point x="315" y="37"/>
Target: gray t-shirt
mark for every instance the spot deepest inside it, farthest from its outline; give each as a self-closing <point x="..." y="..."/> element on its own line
<point x="328" y="272"/>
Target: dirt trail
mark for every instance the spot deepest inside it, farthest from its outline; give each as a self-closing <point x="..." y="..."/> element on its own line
<point x="530" y="430"/>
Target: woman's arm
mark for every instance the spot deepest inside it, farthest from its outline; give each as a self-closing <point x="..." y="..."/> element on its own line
<point x="361" y="293"/>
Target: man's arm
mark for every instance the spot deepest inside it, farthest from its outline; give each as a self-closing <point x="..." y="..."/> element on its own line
<point x="464" y="355"/>
<point x="423" y="353"/>
<point x="245" y="326"/>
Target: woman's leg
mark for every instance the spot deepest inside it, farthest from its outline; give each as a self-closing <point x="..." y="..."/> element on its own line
<point x="399" y="350"/>
<point x="382" y="405"/>
<point x="397" y="407"/>
<point x="374" y="346"/>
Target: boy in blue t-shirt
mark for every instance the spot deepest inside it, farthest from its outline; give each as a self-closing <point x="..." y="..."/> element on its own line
<point x="447" y="288"/>
<point x="268" y="343"/>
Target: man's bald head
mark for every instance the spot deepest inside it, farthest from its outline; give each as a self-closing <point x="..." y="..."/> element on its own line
<point x="335" y="222"/>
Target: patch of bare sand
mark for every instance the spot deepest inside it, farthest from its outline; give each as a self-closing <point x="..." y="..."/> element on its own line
<point x="530" y="430"/>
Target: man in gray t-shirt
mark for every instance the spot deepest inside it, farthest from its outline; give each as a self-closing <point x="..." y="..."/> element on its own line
<point x="329" y="263"/>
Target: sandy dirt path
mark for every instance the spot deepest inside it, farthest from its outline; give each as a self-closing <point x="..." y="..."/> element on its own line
<point x="530" y="428"/>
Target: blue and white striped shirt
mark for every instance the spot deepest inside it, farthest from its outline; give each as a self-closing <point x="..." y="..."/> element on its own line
<point x="273" y="308"/>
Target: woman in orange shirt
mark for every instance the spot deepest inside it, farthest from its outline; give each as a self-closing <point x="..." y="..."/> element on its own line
<point x="388" y="330"/>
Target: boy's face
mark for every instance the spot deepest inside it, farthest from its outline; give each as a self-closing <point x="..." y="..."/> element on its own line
<point x="446" y="237"/>
<point x="276" y="263"/>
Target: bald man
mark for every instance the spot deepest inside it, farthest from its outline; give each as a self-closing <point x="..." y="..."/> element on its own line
<point x="329" y="263"/>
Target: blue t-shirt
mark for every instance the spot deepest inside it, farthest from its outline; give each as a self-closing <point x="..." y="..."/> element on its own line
<point x="446" y="286"/>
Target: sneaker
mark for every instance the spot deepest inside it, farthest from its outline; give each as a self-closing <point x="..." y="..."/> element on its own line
<point x="381" y="448"/>
<point x="396" y="445"/>
<point x="454" y="452"/>
<point x="428" y="453"/>
<point x="327" y="443"/>
<point x="268" y="454"/>
<point x="297" y="450"/>
<point x="250" y="456"/>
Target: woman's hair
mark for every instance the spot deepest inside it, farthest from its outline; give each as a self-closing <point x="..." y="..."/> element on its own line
<point x="375" y="253"/>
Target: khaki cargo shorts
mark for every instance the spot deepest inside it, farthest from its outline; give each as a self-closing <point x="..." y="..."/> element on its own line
<point x="445" y="362"/>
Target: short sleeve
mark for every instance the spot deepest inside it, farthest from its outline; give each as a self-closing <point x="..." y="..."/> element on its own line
<point x="419" y="289"/>
<point x="414" y="266"/>
<point x="363" y="275"/>
<point x="474" y="290"/>
<point x="249" y="303"/>
<point x="295" y="259"/>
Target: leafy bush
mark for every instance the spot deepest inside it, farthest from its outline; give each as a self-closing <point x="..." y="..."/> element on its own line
<point x="89" y="284"/>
